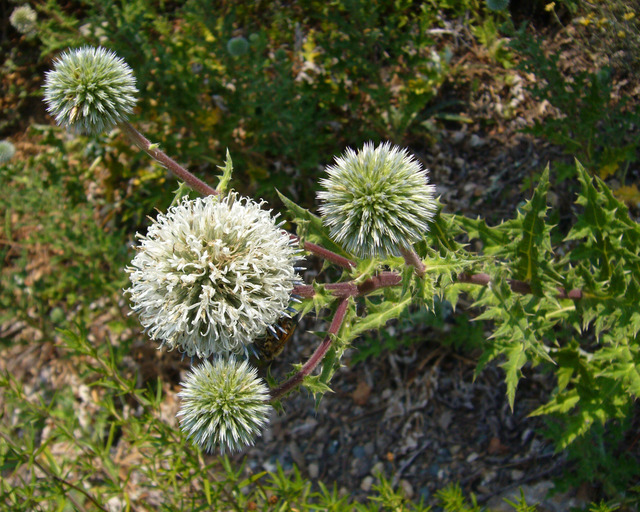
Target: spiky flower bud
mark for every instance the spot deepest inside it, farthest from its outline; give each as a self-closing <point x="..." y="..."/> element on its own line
<point x="90" y="90"/>
<point x="23" y="19"/>
<point x="224" y="405"/>
<point x="212" y="275"/>
<point x="237" y="46"/>
<point x="7" y="150"/>
<point x="377" y="201"/>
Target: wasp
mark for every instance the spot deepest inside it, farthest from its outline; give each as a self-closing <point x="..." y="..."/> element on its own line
<point x="270" y="346"/>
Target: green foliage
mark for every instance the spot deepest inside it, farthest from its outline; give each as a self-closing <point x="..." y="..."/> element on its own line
<point x="307" y="79"/>
<point x="589" y="343"/>
<point x="590" y="125"/>
<point x="59" y="253"/>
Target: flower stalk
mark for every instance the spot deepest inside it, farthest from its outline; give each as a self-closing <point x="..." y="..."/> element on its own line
<point x="317" y="356"/>
<point x="161" y="157"/>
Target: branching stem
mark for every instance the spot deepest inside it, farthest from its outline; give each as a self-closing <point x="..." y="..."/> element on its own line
<point x="317" y="356"/>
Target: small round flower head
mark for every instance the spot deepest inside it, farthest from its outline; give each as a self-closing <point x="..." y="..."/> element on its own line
<point x="224" y="405"/>
<point x="7" y="150"/>
<point x="377" y="201"/>
<point x="237" y="46"/>
<point x="23" y="19"/>
<point x="90" y="90"/>
<point x="212" y="275"/>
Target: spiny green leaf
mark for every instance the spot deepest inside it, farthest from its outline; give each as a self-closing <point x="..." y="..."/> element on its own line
<point x="516" y="359"/>
<point x="310" y="226"/>
<point x="225" y="177"/>
<point x="534" y="240"/>
<point x="379" y="314"/>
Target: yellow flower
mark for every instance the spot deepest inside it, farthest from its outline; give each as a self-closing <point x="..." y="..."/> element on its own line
<point x="584" y="21"/>
<point x="629" y="16"/>
<point x="550" y="6"/>
<point x="622" y="34"/>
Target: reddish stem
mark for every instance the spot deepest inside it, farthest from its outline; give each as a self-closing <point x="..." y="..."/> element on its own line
<point x="317" y="356"/>
<point x="412" y="259"/>
<point x="159" y="156"/>
<point x="350" y="288"/>
<point x="326" y="254"/>
<point x="517" y="286"/>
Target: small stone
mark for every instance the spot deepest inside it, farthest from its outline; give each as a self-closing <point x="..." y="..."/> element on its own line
<point x="361" y="393"/>
<point x="369" y="449"/>
<point x="517" y="474"/>
<point x="367" y="483"/>
<point x="472" y="456"/>
<point x="458" y="137"/>
<point x="407" y="488"/>
<point x="476" y="142"/>
<point x="378" y="468"/>
<point x="358" y="451"/>
<point x="445" y="419"/>
<point x="313" y="470"/>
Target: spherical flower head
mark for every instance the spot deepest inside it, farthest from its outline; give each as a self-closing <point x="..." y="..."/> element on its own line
<point x="90" y="90"/>
<point x="377" y="201"/>
<point x="23" y="19"/>
<point x="224" y="405"/>
<point x="212" y="275"/>
<point x="7" y="150"/>
<point x="237" y="46"/>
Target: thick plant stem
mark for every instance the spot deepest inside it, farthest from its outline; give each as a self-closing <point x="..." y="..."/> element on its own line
<point x="517" y="286"/>
<point x="181" y="173"/>
<point x="317" y="356"/>
<point x="412" y="259"/>
<point x="326" y="254"/>
<point x="350" y="288"/>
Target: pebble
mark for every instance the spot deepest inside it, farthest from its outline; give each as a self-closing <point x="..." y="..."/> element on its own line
<point x="358" y="451"/>
<point x="367" y="483"/>
<point x="445" y="419"/>
<point x="476" y="142"/>
<point x="424" y="494"/>
<point x="333" y="447"/>
<point x="517" y="474"/>
<point x="407" y="488"/>
<point x="378" y="468"/>
<point x="360" y="467"/>
<point x="314" y="470"/>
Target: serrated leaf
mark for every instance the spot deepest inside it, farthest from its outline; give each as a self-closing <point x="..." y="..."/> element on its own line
<point x="534" y="235"/>
<point x="516" y="359"/>
<point x="225" y="177"/>
<point x="310" y="226"/>
<point x="378" y="315"/>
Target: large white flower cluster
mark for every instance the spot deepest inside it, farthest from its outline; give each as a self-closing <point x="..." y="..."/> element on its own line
<point x="212" y="275"/>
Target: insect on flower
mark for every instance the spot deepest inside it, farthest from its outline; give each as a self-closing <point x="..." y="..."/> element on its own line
<point x="270" y="346"/>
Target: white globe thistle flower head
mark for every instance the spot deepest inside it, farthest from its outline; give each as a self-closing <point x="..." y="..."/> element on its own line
<point x="23" y="19"/>
<point x="377" y="201"/>
<point x="224" y="405"/>
<point x="7" y="150"/>
<point x="90" y="90"/>
<point x="212" y="275"/>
